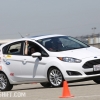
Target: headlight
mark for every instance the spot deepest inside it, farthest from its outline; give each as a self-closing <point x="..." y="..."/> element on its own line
<point x="69" y="59"/>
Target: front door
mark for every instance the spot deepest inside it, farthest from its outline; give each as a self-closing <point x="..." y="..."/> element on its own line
<point x="32" y="69"/>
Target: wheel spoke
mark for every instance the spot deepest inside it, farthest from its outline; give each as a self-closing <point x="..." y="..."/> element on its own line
<point x="52" y="74"/>
<point x="3" y="85"/>
<point x="59" y="80"/>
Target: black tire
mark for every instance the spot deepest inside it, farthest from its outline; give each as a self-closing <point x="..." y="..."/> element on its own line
<point x="97" y="81"/>
<point x="52" y="79"/>
<point x="5" y="82"/>
<point x="46" y="84"/>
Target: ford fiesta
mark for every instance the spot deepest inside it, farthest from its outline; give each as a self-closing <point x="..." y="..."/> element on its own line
<point x="56" y="58"/>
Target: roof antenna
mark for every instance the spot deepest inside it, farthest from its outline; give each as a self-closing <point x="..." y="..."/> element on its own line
<point x="20" y="34"/>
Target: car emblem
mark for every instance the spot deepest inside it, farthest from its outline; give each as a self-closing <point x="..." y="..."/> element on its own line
<point x="7" y="63"/>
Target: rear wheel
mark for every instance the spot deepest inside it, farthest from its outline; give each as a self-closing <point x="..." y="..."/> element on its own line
<point x="4" y="83"/>
<point x="45" y="84"/>
<point x="55" y="77"/>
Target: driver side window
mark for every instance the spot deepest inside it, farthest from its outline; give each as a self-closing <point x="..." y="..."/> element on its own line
<point x="32" y="48"/>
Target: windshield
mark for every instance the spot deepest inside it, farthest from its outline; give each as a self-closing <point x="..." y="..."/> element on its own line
<point x="61" y="43"/>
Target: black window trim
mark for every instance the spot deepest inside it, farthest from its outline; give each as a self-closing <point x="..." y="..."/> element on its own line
<point x="35" y="44"/>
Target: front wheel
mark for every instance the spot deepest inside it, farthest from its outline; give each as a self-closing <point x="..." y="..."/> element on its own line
<point x="55" y="77"/>
<point x="4" y="83"/>
<point x="97" y="81"/>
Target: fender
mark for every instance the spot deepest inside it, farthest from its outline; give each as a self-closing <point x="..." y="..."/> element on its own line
<point x="56" y="64"/>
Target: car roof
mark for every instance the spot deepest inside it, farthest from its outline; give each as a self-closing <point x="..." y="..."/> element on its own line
<point x="44" y="36"/>
<point x="33" y="38"/>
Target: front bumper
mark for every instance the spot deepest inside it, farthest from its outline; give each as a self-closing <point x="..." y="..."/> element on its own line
<point x="80" y="78"/>
<point x="79" y="72"/>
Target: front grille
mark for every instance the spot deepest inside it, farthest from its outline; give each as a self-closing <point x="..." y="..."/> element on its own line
<point x="92" y="73"/>
<point x="89" y="64"/>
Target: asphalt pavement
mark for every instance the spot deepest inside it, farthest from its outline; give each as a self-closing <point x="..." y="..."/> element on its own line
<point x="88" y="90"/>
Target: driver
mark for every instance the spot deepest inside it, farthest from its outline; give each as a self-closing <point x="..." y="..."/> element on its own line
<point x="28" y="51"/>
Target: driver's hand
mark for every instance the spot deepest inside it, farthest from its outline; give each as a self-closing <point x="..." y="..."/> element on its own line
<point x="26" y="42"/>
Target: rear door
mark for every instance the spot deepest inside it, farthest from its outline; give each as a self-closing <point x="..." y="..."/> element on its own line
<point x="12" y="59"/>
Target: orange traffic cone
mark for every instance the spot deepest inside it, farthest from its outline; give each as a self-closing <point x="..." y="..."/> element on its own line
<point x="66" y="92"/>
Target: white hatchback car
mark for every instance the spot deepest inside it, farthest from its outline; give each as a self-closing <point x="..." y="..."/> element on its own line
<point x="56" y="58"/>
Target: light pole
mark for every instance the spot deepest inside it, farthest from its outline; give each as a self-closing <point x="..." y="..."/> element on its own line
<point x="94" y="28"/>
<point x="98" y="39"/>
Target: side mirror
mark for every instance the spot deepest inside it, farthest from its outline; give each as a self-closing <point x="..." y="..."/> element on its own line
<point x="37" y="54"/>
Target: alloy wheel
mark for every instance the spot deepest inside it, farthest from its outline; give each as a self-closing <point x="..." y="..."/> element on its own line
<point x="55" y="77"/>
<point x="3" y="81"/>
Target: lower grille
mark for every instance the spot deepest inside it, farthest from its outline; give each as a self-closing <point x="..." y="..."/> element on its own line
<point x="92" y="73"/>
<point x="89" y="64"/>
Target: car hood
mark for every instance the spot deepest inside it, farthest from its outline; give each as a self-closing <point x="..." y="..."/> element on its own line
<point x="78" y="53"/>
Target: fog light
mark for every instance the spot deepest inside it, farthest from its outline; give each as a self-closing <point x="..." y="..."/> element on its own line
<point x="73" y="73"/>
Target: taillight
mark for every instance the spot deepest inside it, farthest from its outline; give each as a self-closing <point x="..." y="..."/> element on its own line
<point x="0" y="67"/>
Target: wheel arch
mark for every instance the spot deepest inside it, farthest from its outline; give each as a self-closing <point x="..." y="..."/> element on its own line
<point x="2" y="72"/>
<point x="5" y="74"/>
<point x="51" y="67"/>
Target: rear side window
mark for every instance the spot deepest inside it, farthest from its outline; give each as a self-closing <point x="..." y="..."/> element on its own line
<point x="13" y="49"/>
